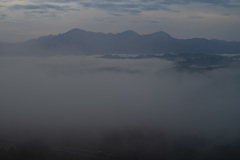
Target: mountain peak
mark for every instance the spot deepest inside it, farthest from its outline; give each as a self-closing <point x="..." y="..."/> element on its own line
<point x="129" y="32"/>
<point x="162" y="34"/>
<point x="75" y="30"/>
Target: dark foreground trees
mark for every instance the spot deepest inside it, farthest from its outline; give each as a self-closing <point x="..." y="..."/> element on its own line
<point x="131" y="144"/>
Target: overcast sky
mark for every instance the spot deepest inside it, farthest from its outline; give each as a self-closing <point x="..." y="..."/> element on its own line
<point x="25" y="19"/>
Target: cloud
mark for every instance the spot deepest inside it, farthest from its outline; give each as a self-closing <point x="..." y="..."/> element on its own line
<point x="134" y="7"/>
<point x="147" y="21"/>
<point x="196" y="17"/>
<point x="139" y="6"/>
<point x="224" y="3"/>
<point x="59" y="1"/>
<point x="129" y="7"/>
<point x="42" y="7"/>
<point x="3" y="16"/>
<point x="116" y="14"/>
<point x="227" y="3"/>
<point x="41" y="13"/>
<point x="48" y="94"/>
<point x="226" y="14"/>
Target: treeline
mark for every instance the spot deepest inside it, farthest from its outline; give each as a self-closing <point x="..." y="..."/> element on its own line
<point x="132" y="144"/>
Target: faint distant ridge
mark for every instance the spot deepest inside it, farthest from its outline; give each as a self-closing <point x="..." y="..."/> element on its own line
<point x="78" y="42"/>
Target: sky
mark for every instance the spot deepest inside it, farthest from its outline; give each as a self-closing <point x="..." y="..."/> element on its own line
<point x="21" y="20"/>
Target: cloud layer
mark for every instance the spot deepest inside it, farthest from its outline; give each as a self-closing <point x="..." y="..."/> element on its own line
<point x="74" y="93"/>
<point x="131" y="6"/>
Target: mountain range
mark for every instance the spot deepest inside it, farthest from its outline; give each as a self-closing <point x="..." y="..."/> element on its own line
<point x="79" y="42"/>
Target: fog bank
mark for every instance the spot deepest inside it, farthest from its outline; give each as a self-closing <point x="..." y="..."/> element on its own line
<point x="57" y="94"/>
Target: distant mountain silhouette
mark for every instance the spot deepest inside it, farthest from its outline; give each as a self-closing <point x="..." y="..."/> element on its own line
<point x="78" y="41"/>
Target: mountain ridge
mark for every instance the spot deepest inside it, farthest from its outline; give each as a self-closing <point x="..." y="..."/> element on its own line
<point x="77" y="42"/>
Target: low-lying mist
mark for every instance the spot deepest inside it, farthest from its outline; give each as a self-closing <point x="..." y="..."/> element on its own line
<point x="57" y="96"/>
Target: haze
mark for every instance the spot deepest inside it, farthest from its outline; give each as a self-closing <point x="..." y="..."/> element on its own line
<point x="74" y="93"/>
<point x="164" y="85"/>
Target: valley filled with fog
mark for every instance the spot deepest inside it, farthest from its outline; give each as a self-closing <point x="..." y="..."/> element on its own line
<point x="119" y="80"/>
<point x="66" y="97"/>
<point x="72" y="92"/>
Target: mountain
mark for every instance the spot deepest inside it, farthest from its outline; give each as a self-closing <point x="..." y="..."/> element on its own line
<point x="78" y="41"/>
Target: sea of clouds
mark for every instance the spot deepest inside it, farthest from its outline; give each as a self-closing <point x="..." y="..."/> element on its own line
<point x="69" y="93"/>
